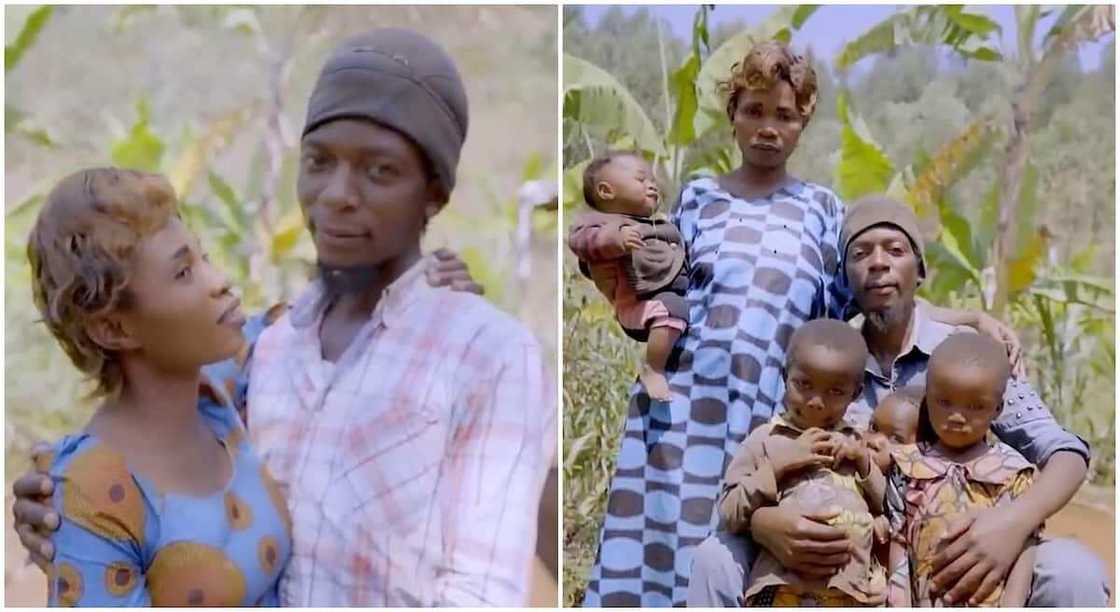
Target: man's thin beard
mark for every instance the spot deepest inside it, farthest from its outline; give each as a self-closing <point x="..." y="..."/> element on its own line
<point x="881" y="321"/>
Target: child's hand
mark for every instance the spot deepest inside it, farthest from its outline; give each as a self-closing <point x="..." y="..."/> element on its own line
<point x="812" y="448"/>
<point x="880" y="448"/>
<point x="854" y="451"/>
<point x="631" y="238"/>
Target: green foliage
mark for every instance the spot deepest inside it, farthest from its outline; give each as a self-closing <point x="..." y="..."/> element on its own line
<point x="863" y="167"/>
<point x="965" y="33"/>
<point x="141" y="149"/>
<point x="929" y="133"/>
<point x="598" y="361"/>
<point x="596" y="102"/>
<point x="34" y="24"/>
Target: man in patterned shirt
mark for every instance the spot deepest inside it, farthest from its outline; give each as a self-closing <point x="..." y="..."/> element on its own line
<point x="412" y="427"/>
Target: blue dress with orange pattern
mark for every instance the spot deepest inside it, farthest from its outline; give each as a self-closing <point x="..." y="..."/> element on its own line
<point x="123" y="542"/>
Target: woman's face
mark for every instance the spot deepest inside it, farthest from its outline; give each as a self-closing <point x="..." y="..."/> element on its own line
<point x="182" y="314"/>
<point x="767" y="125"/>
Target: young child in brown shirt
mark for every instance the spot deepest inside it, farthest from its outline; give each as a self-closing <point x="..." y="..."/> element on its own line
<point x="635" y="258"/>
<point x="824" y="373"/>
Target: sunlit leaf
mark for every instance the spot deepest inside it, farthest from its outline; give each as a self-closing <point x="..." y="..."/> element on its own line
<point x="34" y="23"/>
<point x="141" y="149"/>
<point x="598" y="101"/>
<point x="683" y="83"/>
<point x="863" y="168"/>
<point x="802" y="14"/>
<point x="232" y="210"/>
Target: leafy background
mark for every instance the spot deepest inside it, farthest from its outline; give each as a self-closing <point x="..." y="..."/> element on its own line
<point x="215" y="97"/>
<point x="1006" y="154"/>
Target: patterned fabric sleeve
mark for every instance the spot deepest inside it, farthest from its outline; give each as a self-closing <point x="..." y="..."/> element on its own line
<point x="839" y="300"/>
<point x="684" y="215"/>
<point x="899" y="593"/>
<point x="500" y="452"/>
<point x="99" y="544"/>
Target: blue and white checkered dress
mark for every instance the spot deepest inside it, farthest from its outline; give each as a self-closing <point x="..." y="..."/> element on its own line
<point x="759" y="268"/>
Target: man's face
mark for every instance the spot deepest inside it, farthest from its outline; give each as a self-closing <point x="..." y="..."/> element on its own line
<point x="882" y="269"/>
<point x="365" y="193"/>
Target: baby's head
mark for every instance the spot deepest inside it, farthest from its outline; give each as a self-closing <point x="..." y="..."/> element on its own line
<point x="964" y="389"/>
<point x="114" y="270"/>
<point x="621" y="182"/>
<point x="824" y="372"/>
<point x="895" y="421"/>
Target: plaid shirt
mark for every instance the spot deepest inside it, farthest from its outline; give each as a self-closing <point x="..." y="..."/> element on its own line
<point x="414" y="464"/>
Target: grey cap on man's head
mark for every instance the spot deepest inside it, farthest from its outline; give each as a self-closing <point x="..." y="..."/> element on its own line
<point x="869" y="211"/>
<point x="402" y="80"/>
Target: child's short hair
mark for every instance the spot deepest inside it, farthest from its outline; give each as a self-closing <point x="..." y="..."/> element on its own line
<point x="595" y="167"/>
<point x="80" y="250"/>
<point x="975" y="350"/>
<point x="967" y="349"/>
<point x="836" y="335"/>
<point x="766" y="64"/>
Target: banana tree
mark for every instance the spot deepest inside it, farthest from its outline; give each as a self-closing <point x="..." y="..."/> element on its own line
<point x="1075" y="25"/>
<point x="1012" y="247"/>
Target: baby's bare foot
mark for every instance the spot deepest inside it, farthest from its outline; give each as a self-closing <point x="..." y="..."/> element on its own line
<point x="655" y="383"/>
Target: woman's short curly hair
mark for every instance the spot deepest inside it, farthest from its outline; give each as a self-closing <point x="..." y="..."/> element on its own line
<point x="766" y="64"/>
<point x="81" y="251"/>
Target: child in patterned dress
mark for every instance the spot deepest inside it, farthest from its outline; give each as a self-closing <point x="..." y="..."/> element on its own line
<point x="635" y="257"/>
<point x="955" y="468"/>
<point x="824" y="372"/>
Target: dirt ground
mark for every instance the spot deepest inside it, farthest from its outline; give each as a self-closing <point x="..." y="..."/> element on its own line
<point x="26" y="586"/>
<point x="1090" y="517"/>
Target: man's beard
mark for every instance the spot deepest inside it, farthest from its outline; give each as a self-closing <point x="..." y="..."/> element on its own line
<point x="348" y="280"/>
<point x="882" y="321"/>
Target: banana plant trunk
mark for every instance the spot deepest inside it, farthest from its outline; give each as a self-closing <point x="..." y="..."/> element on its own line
<point x="1011" y="180"/>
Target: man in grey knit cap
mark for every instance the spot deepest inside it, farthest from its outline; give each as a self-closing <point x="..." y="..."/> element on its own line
<point x="413" y="426"/>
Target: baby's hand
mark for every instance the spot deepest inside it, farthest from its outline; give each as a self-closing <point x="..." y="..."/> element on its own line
<point x="854" y="451"/>
<point x="631" y="238"/>
<point x="881" y="528"/>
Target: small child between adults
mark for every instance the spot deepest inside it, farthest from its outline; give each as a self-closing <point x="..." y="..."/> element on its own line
<point x="954" y="468"/>
<point x="824" y="374"/>
<point x="893" y="423"/>
<point x="646" y="275"/>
